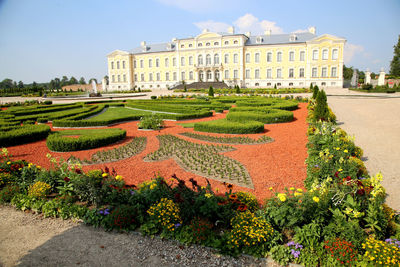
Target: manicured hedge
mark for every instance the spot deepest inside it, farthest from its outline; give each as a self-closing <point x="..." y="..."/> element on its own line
<point x="270" y="102"/>
<point x="88" y="123"/>
<point x="45" y="109"/>
<point x="94" y="111"/>
<point x="243" y="114"/>
<point x="24" y="134"/>
<point x="230" y="127"/>
<point x="87" y="139"/>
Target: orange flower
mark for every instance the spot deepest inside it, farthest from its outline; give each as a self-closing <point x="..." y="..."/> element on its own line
<point x="233" y="196"/>
<point x="242" y="207"/>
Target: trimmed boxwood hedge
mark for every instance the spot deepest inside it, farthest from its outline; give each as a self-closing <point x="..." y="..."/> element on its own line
<point x="262" y="115"/>
<point x="23" y="134"/>
<point x="270" y="102"/>
<point x="45" y="109"/>
<point x="86" y="139"/>
<point x="230" y="127"/>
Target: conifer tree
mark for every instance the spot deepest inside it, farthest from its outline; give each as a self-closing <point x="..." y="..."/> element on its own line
<point x="315" y="91"/>
<point x="395" y="63"/>
<point x="211" y="91"/>
<point x="321" y="111"/>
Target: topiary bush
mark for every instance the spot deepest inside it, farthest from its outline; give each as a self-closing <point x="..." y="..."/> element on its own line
<point x="232" y="127"/>
<point x="321" y="111"/>
<point x="73" y="140"/>
<point x="24" y="134"/>
<point x="261" y="115"/>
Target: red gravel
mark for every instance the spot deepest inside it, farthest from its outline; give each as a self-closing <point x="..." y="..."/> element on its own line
<point x="278" y="164"/>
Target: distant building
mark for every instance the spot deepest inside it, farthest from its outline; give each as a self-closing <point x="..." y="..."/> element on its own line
<point x="284" y="60"/>
<point x="83" y="87"/>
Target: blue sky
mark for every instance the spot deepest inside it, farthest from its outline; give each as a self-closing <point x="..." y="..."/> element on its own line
<point x="43" y="39"/>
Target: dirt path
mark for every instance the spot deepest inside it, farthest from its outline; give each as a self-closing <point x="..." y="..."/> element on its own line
<point x="30" y="240"/>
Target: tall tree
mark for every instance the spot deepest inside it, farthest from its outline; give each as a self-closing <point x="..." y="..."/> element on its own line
<point x="395" y="63"/>
<point x="92" y="79"/>
<point x="347" y="72"/>
<point x="73" y="80"/>
<point x="64" y="81"/>
<point x="82" y="80"/>
<point x="6" y="84"/>
<point x="20" y="85"/>
<point x="57" y="83"/>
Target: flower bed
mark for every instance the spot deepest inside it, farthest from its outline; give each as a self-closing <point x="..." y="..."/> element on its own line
<point x="229" y="139"/>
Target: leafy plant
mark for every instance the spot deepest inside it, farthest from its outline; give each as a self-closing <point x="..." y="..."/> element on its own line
<point x="152" y="122"/>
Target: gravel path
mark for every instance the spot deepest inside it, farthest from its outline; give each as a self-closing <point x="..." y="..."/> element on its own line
<point x="374" y="121"/>
<point x="30" y="240"/>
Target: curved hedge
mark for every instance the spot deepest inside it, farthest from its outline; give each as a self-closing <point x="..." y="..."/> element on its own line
<point x="230" y="127"/>
<point x="262" y="115"/>
<point x="86" y="139"/>
<point x="24" y="134"/>
<point x="270" y="102"/>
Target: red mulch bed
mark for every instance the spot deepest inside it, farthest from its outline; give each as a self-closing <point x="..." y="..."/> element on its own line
<point x="278" y="164"/>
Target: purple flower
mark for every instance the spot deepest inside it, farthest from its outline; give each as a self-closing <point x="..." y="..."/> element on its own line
<point x="316" y="165"/>
<point x="132" y="192"/>
<point x="101" y="212"/>
<point x="295" y="253"/>
<point x="106" y="211"/>
<point x="299" y="246"/>
<point x="178" y="225"/>
<point x="291" y="243"/>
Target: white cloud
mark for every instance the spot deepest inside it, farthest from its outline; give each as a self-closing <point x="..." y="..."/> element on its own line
<point x="213" y="26"/>
<point x="350" y="50"/>
<point x="250" y="23"/>
<point x="246" y="23"/>
<point x="300" y="31"/>
<point x="198" y="6"/>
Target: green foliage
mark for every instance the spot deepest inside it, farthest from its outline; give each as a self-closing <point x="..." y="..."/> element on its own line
<point x="315" y="91"/>
<point x="24" y="134"/>
<point x="123" y="217"/>
<point x="73" y="140"/>
<point x="260" y="115"/>
<point x="395" y="63"/>
<point x="211" y="91"/>
<point x="228" y="139"/>
<point x="321" y="111"/>
<point x="8" y="192"/>
<point x="153" y="122"/>
<point x="231" y="127"/>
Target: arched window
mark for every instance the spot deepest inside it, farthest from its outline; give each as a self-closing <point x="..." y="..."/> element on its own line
<point x="208" y="59"/>
<point x="279" y="57"/>
<point x="200" y="60"/>
<point x="157" y="62"/>
<point x="217" y="75"/>
<point x="190" y="60"/>
<point x="199" y="44"/>
<point x="209" y="75"/>
<point x="235" y="58"/>
<point x="334" y="54"/>
<point x="269" y="57"/>
<point x="226" y="58"/>
<point x="191" y="75"/>
<point x="150" y="63"/>
<point x="207" y="44"/>
<point x="325" y="54"/>
<point x="257" y="57"/>
<point x="216" y="59"/>
<point x="216" y="43"/>
<point x="235" y="42"/>
<point x="247" y="58"/>
<point x="201" y="76"/>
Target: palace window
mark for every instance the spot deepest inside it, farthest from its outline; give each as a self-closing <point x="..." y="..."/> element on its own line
<point x="302" y="55"/>
<point x="278" y="73"/>
<point x="216" y="43"/>
<point x="291" y="73"/>
<point x="269" y="57"/>
<point x="315" y="54"/>
<point x="117" y="64"/>
<point x="208" y="44"/>
<point x="150" y="77"/>
<point x="134" y="63"/>
<point x="200" y="60"/>
<point x="235" y="74"/>
<point x="301" y="72"/>
<point x="175" y="76"/>
<point x="150" y="63"/>
<point x="226" y="42"/>
<point x="135" y="77"/>
<point x="209" y="75"/>
<point x="190" y="60"/>
<point x="166" y="63"/>
<point x="235" y="58"/>
<point x="190" y="45"/>
<point x="216" y="59"/>
<point x="325" y="54"/>
<point x="290" y="84"/>
<point x="226" y="58"/>
<point x="174" y="62"/>
<point x="183" y="76"/>
<point x="201" y="76"/>
<point x="226" y="75"/>
<point x="279" y="57"/>
<point x="334" y="54"/>
<point x="167" y="76"/>
<point x="182" y="61"/>
<point x="142" y="77"/>
<point x="141" y="63"/>
<point x="324" y="72"/>
<point x="182" y="46"/>
<point x="235" y="42"/>
<point x="269" y="73"/>
<point x="191" y="75"/>
<point x="119" y="78"/>
<point x="123" y="64"/>
<point x="314" y="72"/>
<point x="333" y="72"/>
<point x="247" y="58"/>
<point x="113" y="78"/>
<point x="247" y="74"/>
<point x="157" y="62"/>
<point x="257" y="74"/>
<point x="257" y="57"/>
<point x="124" y="77"/>
<point x="291" y="56"/>
<point x="208" y="59"/>
<point x="199" y="44"/>
<point x="112" y="65"/>
<point x="158" y="76"/>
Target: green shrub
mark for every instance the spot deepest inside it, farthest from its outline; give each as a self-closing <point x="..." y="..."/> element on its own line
<point x="321" y="111"/>
<point x="315" y="90"/>
<point x="225" y="126"/>
<point x="42" y="120"/>
<point x="86" y="139"/>
<point x="153" y="122"/>
<point x="211" y="91"/>
<point x="48" y="102"/>
<point x="153" y="97"/>
<point x="24" y="134"/>
<point x="8" y="192"/>
<point x="261" y="115"/>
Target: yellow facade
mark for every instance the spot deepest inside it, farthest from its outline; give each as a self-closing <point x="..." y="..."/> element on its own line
<point x="287" y="60"/>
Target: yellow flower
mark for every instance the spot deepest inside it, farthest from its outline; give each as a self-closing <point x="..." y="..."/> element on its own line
<point x="104" y="175"/>
<point x="340" y="170"/>
<point x="296" y="194"/>
<point x="316" y="199"/>
<point x="118" y="178"/>
<point x="152" y="186"/>
<point x="38" y="167"/>
<point x="9" y="162"/>
<point x="292" y="188"/>
<point x="299" y="190"/>
<point x="270" y="188"/>
<point x="282" y="197"/>
<point x="338" y="148"/>
<point x="208" y="195"/>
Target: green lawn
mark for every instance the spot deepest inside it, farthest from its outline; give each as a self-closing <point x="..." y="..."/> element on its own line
<point x="118" y="112"/>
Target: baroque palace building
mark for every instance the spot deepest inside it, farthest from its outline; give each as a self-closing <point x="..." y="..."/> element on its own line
<point x="261" y="61"/>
